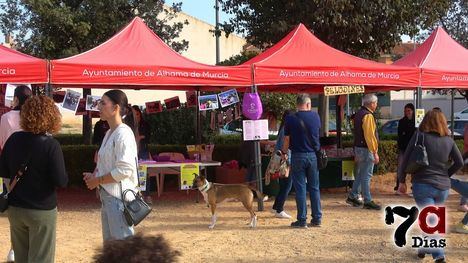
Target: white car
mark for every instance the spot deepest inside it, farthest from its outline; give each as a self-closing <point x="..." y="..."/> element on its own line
<point x="463" y="114"/>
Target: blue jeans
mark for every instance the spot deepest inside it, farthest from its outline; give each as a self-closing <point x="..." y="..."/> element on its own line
<point x="428" y="195"/>
<point x="285" y="187"/>
<point x="114" y="226"/>
<point x="364" y="167"/>
<point x="305" y="177"/>
<point x="461" y="188"/>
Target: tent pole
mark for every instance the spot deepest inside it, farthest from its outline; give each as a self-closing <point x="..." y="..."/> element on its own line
<point x="258" y="165"/>
<point x="419" y="98"/>
<point x="452" y="112"/>
<point x="338" y="122"/>
<point x="198" y="124"/>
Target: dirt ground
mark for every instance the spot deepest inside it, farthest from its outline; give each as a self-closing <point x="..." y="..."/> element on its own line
<point x="348" y="234"/>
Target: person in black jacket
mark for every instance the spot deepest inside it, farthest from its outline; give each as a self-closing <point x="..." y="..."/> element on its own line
<point x="32" y="201"/>
<point x="100" y="129"/>
<point x="406" y="129"/>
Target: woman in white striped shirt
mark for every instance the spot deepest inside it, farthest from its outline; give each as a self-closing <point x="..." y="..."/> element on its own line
<point x="116" y="168"/>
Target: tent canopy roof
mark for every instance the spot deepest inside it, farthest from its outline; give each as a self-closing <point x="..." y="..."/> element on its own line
<point x="443" y="62"/>
<point x="301" y="58"/>
<point x="19" y="68"/>
<point x="136" y="56"/>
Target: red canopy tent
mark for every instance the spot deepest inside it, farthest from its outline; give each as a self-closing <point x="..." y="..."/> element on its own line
<point x="441" y="60"/>
<point x="19" y="68"/>
<point x="301" y="59"/>
<point x="136" y="56"/>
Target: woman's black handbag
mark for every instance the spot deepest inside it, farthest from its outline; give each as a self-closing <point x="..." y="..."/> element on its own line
<point x="418" y="158"/>
<point x="136" y="210"/>
<point x="4" y="196"/>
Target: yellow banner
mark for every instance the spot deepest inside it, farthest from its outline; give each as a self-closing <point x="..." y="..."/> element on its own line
<point x="1" y="185"/>
<point x="342" y="90"/>
<point x="188" y="172"/>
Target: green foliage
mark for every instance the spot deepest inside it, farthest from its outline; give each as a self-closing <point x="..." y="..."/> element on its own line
<point x="238" y="59"/>
<point x="278" y="103"/>
<point x="362" y="28"/>
<point x="61" y="28"/>
<point x="78" y="159"/>
<point x="69" y="139"/>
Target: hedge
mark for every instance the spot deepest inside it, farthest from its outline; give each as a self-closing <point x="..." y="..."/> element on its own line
<point x="79" y="158"/>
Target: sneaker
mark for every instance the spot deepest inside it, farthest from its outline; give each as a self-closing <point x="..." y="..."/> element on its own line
<point x="461" y="228"/>
<point x="372" y="205"/>
<point x="298" y="224"/>
<point x="463" y="208"/>
<point x="353" y="201"/>
<point x="421" y="255"/>
<point x="360" y="198"/>
<point x="315" y="224"/>
<point x="282" y="215"/>
<point x="273" y="211"/>
<point x="440" y="260"/>
<point x="265" y="198"/>
<point x="11" y="256"/>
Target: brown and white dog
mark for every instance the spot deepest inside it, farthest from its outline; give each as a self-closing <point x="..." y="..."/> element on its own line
<point x="216" y="193"/>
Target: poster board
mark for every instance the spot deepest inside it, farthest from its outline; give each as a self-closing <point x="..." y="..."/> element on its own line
<point x="255" y="130"/>
<point x="172" y="103"/>
<point x="92" y="102"/>
<point x="188" y="172"/>
<point x="142" y="175"/>
<point x="71" y="100"/>
<point x="343" y="90"/>
<point x="191" y="98"/>
<point x="347" y="170"/>
<point x="419" y="117"/>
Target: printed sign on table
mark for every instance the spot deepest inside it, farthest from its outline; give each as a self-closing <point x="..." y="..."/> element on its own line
<point x="208" y="102"/>
<point x="188" y="172"/>
<point x="228" y="98"/>
<point x="419" y="117"/>
<point x="71" y="100"/>
<point x="142" y="174"/>
<point x="255" y="130"/>
<point x="347" y="170"/>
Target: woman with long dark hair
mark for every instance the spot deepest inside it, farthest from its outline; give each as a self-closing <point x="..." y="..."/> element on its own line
<point x="116" y="169"/>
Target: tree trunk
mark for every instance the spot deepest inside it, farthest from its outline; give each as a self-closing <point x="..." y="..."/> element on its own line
<point x="87" y="124"/>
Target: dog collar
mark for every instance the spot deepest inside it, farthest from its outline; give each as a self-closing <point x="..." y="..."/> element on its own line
<point x="205" y="187"/>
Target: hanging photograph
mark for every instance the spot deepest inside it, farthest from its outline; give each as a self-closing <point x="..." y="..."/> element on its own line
<point x="228" y="98"/>
<point x="92" y="102"/>
<point x="172" y="103"/>
<point x="208" y="102"/>
<point x="81" y="110"/>
<point x="191" y="98"/>
<point x="71" y="100"/>
<point x="153" y="107"/>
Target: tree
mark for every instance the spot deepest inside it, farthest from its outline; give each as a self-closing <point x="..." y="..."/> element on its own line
<point x="54" y="29"/>
<point x="361" y="28"/>
<point x="455" y="21"/>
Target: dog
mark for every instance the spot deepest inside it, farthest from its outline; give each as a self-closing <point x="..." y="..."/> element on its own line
<point x="216" y="193"/>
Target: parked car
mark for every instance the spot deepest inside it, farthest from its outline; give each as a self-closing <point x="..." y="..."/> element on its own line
<point x="390" y="127"/>
<point x="459" y="127"/>
<point x="463" y="114"/>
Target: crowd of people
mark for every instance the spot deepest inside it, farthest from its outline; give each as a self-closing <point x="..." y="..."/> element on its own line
<point x="122" y="136"/>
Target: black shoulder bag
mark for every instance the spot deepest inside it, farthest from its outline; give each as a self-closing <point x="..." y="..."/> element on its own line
<point x="322" y="158"/>
<point x="418" y="158"/>
<point x="137" y="209"/>
<point x="19" y="174"/>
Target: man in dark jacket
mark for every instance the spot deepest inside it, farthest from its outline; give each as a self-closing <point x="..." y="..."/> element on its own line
<point x="406" y="128"/>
